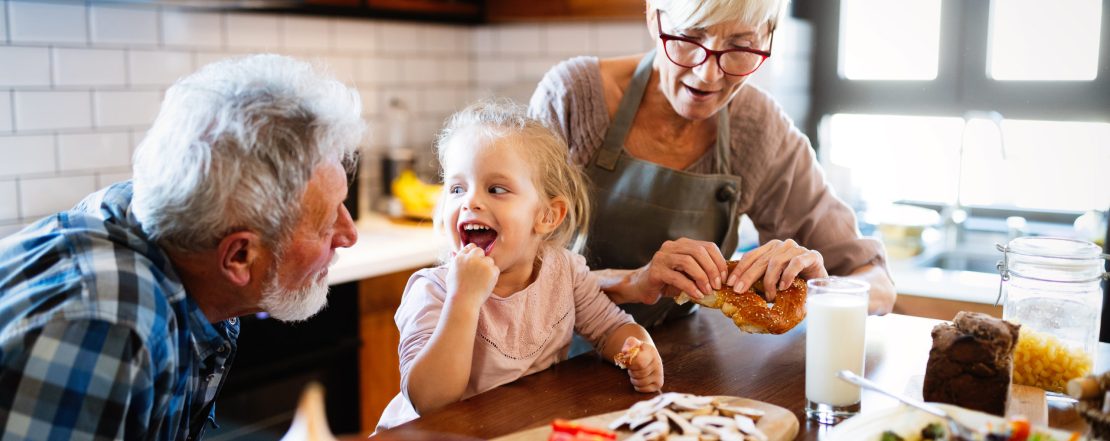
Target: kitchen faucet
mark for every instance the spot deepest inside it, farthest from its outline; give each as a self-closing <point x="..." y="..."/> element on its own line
<point x="954" y="215"/>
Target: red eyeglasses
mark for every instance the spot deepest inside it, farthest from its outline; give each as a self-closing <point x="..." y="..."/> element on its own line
<point x="688" y="53"/>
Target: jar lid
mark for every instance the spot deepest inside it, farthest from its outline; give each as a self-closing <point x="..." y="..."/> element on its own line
<point x="1055" y="247"/>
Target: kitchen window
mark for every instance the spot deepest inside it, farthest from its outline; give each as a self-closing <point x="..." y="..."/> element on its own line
<point x="1000" y="105"/>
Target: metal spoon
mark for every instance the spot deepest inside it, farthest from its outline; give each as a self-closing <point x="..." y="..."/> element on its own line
<point x="956" y="428"/>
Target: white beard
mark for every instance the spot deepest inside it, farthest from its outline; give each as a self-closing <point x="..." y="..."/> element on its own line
<point x="294" y="305"/>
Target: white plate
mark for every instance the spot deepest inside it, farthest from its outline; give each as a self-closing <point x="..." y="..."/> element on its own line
<point x="907" y="422"/>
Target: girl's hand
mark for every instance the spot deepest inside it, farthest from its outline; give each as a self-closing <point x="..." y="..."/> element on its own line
<point x="778" y="263"/>
<point x="688" y="266"/>
<point x="472" y="275"/>
<point x="645" y="368"/>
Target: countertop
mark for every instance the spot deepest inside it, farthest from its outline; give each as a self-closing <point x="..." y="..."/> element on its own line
<point x="967" y="286"/>
<point x="385" y="246"/>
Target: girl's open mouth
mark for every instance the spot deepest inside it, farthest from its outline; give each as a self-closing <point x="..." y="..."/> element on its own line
<point x="481" y="235"/>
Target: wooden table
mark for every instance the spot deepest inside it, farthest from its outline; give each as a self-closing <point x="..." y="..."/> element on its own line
<point x="705" y="355"/>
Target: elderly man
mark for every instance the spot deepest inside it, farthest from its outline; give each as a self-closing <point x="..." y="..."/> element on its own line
<point x="118" y="317"/>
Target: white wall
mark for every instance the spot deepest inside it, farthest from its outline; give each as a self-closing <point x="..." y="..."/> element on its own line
<point x="80" y="84"/>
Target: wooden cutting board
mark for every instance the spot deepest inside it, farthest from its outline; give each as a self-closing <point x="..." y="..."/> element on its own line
<point x="779" y="424"/>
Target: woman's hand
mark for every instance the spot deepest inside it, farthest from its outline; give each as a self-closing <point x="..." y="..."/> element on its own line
<point x="645" y="368"/>
<point x="472" y="275"/>
<point x="777" y="263"/>
<point x="688" y="266"/>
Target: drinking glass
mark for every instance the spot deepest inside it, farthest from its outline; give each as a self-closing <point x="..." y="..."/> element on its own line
<point x="836" y="317"/>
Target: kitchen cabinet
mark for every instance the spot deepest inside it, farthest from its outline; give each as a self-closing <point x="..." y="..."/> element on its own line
<point x="458" y="8"/>
<point x="380" y="264"/>
<point x="529" y="10"/>
<point x="456" y="11"/>
<point x="380" y="378"/>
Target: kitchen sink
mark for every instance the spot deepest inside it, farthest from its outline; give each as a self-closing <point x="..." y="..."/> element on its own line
<point x="961" y="260"/>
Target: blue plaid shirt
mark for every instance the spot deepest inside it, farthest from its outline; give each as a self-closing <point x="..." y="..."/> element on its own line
<point x="98" y="338"/>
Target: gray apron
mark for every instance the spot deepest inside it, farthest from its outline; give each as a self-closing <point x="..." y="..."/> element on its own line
<point x="638" y="205"/>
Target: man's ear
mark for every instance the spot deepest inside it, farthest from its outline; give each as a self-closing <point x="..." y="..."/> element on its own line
<point x="238" y="253"/>
<point x="553" y="215"/>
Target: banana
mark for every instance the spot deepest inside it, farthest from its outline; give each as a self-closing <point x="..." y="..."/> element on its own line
<point x="417" y="197"/>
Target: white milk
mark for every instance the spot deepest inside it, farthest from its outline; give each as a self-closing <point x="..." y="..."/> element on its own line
<point x="834" y="341"/>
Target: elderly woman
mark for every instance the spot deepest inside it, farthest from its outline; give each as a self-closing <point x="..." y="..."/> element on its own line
<point x="677" y="148"/>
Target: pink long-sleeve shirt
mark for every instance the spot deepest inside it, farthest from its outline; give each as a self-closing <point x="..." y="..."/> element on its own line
<point x="517" y="335"/>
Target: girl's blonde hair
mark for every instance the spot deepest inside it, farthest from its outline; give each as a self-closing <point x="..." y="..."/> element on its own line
<point x="549" y="156"/>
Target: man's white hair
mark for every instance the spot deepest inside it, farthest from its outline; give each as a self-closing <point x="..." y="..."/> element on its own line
<point x="689" y="14"/>
<point x="234" y="146"/>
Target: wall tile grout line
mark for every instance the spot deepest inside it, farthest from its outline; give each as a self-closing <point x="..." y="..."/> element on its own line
<point x="19" y="200"/>
<point x="57" y="155"/>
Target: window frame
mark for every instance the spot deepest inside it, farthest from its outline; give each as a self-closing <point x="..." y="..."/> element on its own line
<point x="960" y="86"/>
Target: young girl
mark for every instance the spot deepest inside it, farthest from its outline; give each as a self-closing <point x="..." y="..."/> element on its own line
<point x="508" y="301"/>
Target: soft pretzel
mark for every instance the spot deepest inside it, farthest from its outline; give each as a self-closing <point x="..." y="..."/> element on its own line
<point x="750" y="311"/>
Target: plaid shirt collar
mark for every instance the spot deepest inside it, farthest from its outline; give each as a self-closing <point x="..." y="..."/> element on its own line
<point x="114" y="206"/>
<point x="213" y="345"/>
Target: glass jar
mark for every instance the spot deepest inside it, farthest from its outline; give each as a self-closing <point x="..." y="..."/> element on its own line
<point x="1051" y="285"/>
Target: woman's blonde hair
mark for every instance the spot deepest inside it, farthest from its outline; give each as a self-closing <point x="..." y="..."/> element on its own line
<point x="687" y="14"/>
<point x="547" y="152"/>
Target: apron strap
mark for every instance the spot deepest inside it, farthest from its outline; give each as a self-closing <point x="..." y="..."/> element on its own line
<point x="724" y="142"/>
<point x="626" y="112"/>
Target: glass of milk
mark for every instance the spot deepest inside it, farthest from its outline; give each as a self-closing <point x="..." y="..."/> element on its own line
<point x="835" y="322"/>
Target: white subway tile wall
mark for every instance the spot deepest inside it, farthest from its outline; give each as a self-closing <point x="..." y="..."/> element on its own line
<point x="33" y="62"/>
<point x="43" y="196"/>
<point x="307" y="33"/>
<point x="123" y="26"/>
<point x="49" y="23"/>
<point x="253" y="31"/>
<point x="618" y="38"/>
<point x="126" y="108"/>
<point x="192" y="29"/>
<point x="9" y="201"/>
<point x="352" y="35"/>
<point x="3" y="27"/>
<point x="27" y="155"/>
<point x="106" y="179"/>
<point x="5" y="111"/>
<point x="94" y="151"/>
<point x="518" y="39"/>
<point x="89" y="67"/>
<point x="343" y="68"/>
<point x="568" y="40"/>
<point x="52" y="110"/>
<point x="90" y="79"/>
<point x="158" y="68"/>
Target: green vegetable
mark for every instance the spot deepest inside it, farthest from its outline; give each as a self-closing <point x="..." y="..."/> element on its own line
<point x="933" y="431"/>
<point x="890" y="436"/>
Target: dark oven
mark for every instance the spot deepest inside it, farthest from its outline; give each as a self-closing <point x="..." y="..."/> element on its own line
<point x="276" y="360"/>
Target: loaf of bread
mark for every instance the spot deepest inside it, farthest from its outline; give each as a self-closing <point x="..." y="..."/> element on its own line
<point x="971" y="362"/>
